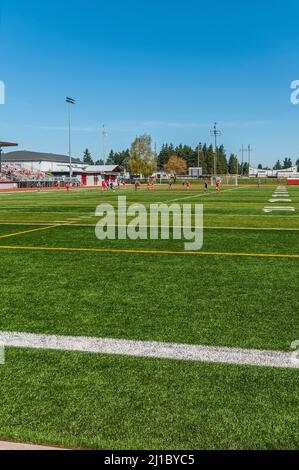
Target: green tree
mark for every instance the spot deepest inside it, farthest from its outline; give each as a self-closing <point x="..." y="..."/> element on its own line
<point x="277" y="165"/>
<point x="142" y="157"/>
<point x="287" y="163"/>
<point x="87" y="158"/>
<point x="119" y="158"/>
<point x="208" y="161"/>
<point x="164" y="155"/>
<point x="245" y="169"/>
<point x="233" y="165"/>
<point x="222" y="165"/>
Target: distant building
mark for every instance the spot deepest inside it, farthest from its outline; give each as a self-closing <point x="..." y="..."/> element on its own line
<point x="59" y="167"/>
<point x="280" y="174"/>
<point x="43" y="162"/>
<point x="93" y="175"/>
<point x="195" y="172"/>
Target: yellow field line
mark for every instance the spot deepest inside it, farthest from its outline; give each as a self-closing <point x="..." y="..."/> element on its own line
<point x="149" y="252"/>
<point x="33" y="230"/>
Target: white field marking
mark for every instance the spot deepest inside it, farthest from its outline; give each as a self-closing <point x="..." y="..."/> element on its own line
<point x="199" y="195"/>
<point x="179" y="352"/>
<point x="278" y="209"/>
<point x="279" y="200"/>
<point x="16" y="446"/>
<point x="44" y="224"/>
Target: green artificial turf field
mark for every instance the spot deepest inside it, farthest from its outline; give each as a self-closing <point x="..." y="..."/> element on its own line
<point x="242" y="291"/>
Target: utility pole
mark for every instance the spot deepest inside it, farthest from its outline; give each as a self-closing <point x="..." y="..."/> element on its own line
<point x="250" y="150"/>
<point x="215" y="133"/>
<point x="70" y="101"/>
<point x="243" y="150"/>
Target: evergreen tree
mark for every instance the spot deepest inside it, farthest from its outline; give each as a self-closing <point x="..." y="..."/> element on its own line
<point x="245" y="169"/>
<point x="87" y="157"/>
<point x="233" y="165"/>
<point x="277" y="165"/>
<point x="287" y="163"/>
<point x="119" y="158"/>
<point x="166" y="152"/>
<point x="222" y="166"/>
<point x="209" y="159"/>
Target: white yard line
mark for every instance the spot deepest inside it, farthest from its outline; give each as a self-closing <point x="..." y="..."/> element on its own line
<point x="274" y="201"/>
<point x="45" y="224"/>
<point x="279" y="209"/>
<point x="172" y="351"/>
<point x="200" y="195"/>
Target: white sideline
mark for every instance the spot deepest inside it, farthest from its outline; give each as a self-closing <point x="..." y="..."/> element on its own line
<point x="180" y="352"/>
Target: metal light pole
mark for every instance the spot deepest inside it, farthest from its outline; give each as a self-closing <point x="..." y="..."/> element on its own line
<point x="104" y="136"/>
<point x="70" y="101"/>
<point x="215" y="133"/>
<point x="198" y="158"/>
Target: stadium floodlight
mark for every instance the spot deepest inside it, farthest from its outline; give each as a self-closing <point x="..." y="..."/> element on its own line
<point x="215" y="133"/>
<point x="70" y="101"/>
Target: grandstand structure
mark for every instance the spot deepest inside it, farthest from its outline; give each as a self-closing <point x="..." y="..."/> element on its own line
<point x="3" y="177"/>
<point x="31" y="169"/>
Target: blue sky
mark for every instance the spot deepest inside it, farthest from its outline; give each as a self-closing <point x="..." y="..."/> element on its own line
<point x="165" y="67"/>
